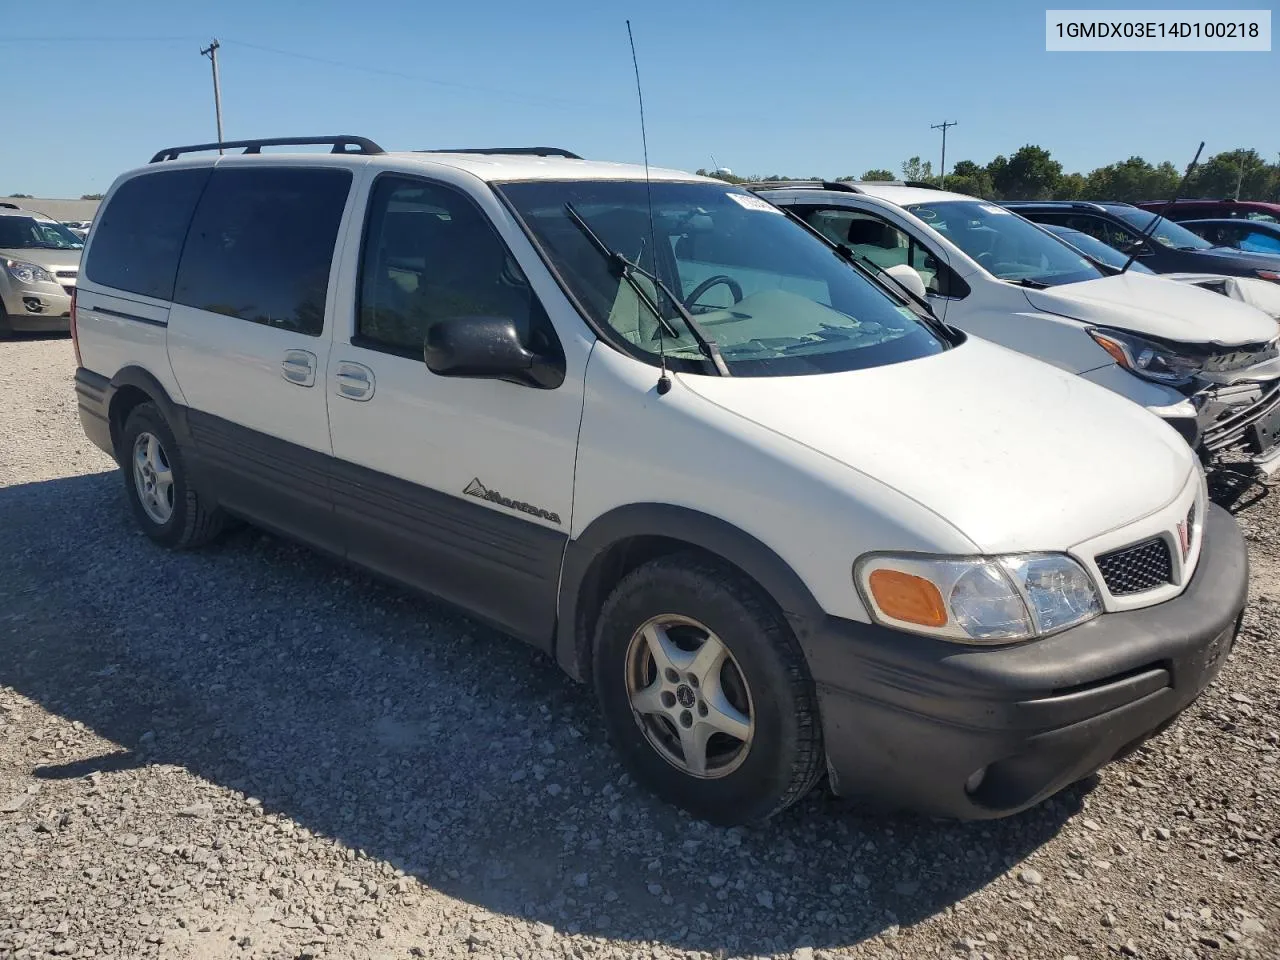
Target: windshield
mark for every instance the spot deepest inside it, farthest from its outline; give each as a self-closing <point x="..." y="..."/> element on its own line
<point x="1093" y="247"/>
<point x="775" y="299"/>
<point x="1167" y="233"/>
<point x="28" y="233"/>
<point x="1005" y="245"/>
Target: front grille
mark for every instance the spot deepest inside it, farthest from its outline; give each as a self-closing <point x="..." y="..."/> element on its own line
<point x="1231" y="428"/>
<point x="67" y="274"/>
<point x="1143" y="566"/>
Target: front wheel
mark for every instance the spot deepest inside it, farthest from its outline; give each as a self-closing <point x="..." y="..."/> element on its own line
<point x="705" y="692"/>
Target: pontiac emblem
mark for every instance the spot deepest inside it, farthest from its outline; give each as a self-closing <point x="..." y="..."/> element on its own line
<point x="1184" y="538"/>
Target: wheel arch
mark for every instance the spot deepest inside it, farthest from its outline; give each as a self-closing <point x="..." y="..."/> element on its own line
<point x="132" y="386"/>
<point x="624" y="538"/>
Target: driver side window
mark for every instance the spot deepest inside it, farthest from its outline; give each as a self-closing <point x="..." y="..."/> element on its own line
<point x="430" y="254"/>
<point x="884" y="245"/>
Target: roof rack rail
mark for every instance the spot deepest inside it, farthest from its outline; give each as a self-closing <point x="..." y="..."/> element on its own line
<point x="843" y="186"/>
<point x="512" y="151"/>
<point x="340" y="144"/>
<point x="922" y="184"/>
<point x="9" y="206"/>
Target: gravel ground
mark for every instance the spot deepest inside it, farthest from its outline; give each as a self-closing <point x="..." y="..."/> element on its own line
<point x="250" y="751"/>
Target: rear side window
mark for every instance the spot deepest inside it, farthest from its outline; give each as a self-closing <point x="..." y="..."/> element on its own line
<point x="261" y="245"/>
<point x="140" y="233"/>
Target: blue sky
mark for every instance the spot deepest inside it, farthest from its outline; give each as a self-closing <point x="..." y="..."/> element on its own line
<point x="843" y="87"/>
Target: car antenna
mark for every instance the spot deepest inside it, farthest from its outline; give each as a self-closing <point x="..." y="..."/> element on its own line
<point x="664" y="379"/>
<point x="1151" y="227"/>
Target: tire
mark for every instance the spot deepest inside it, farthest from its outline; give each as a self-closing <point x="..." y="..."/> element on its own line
<point x="172" y="514"/>
<point x="683" y="602"/>
<point x="6" y="330"/>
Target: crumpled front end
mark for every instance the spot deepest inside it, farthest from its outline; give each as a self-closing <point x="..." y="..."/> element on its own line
<point x="1238" y="408"/>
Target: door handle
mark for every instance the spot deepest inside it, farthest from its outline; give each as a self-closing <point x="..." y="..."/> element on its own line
<point x="354" y="380"/>
<point x="299" y="366"/>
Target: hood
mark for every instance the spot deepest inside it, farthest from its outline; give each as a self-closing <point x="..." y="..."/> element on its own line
<point x="1014" y="453"/>
<point x="1157" y="307"/>
<point x="1262" y="294"/>
<point x="1231" y="257"/>
<point x="49" y="259"/>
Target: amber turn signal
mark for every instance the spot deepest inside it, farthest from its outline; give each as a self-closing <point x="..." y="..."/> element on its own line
<point x="1113" y="348"/>
<point x="908" y="598"/>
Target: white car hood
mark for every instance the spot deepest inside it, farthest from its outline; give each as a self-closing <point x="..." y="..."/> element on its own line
<point x="1014" y="453"/>
<point x="1157" y="307"/>
<point x="1262" y="294"/>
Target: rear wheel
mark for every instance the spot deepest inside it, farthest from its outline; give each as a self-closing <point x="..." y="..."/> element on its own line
<point x="705" y="692"/>
<point x="165" y="504"/>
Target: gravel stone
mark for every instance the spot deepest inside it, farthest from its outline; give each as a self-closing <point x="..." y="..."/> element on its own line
<point x="1252" y="927"/>
<point x="250" y="751"/>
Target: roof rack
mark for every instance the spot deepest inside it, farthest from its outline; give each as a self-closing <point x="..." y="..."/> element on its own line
<point x="843" y="186"/>
<point x="9" y="206"/>
<point x="340" y="144"/>
<point x="512" y="151"/>
<point x="1073" y="204"/>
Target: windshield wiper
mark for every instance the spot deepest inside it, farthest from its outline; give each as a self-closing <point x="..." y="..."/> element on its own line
<point x="626" y="270"/>
<point x="1028" y="282"/>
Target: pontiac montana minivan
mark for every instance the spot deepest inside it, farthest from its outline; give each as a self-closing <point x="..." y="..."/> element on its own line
<point x="786" y="523"/>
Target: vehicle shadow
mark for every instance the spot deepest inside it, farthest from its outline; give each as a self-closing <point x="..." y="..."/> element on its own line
<point x="405" y="730"/>
<point x="35" y="335"/>
<point x="1237" y="488"/>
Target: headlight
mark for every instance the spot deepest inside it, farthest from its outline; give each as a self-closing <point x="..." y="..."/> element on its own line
<point x="977" y="599"/>
<point x="1147" y="359"/>
<point x="27" y="272"/>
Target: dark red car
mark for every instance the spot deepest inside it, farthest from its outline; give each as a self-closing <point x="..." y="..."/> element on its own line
<point x="1216" y="209"/>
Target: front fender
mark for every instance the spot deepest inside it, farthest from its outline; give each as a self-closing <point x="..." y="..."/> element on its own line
<point x="700" y="530"/>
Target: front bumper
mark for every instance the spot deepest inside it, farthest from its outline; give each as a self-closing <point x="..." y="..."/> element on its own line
<point x="37" y="307"/>
<point x="1242" y="421"/>
<point x="908" y="720"/>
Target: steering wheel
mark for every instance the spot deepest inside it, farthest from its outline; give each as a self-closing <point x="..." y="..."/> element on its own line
<point x="735" y="288"/>
<point x="985" y="258"/>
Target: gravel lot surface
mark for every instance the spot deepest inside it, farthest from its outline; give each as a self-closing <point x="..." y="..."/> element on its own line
<point x="250" y="751"/>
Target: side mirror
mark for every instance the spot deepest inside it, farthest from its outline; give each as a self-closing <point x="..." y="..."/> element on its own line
<point x="909" y="277"/>
<point x="1137" y="248"/>
<point x="487" y="348"/>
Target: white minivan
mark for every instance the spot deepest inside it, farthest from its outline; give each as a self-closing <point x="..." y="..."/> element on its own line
<point x="1207" y="364"/>
<point x="808" y="533"/>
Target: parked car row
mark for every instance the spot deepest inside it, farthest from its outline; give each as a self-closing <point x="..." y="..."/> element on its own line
<point x="747" y="462"/>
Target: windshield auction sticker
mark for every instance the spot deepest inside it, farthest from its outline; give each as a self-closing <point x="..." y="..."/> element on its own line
<point x="1155" y="31"/>
<point x="752" y="202"/>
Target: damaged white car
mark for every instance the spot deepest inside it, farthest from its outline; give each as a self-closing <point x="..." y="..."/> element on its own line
<point x="1209" y="365"/>
<point x="1262" y="294"/>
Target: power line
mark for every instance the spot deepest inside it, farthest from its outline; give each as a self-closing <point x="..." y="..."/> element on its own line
<point x="435" y="81"/>
<point x="187" y="39"/>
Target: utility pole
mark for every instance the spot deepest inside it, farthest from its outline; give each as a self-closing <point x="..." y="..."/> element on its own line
<point x="211" y="51"/>
<point x="942" y="175"/>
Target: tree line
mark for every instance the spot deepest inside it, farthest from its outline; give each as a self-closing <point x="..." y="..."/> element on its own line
<point x="1031" y="173"/>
